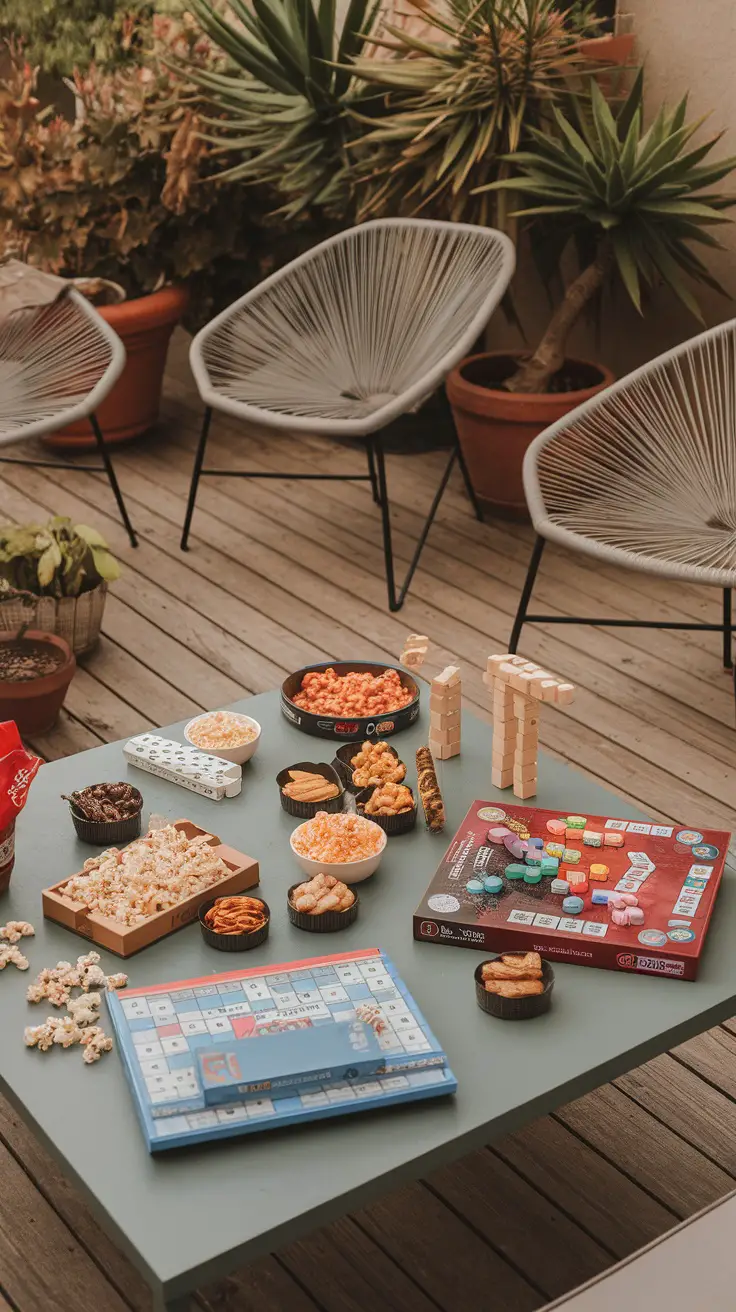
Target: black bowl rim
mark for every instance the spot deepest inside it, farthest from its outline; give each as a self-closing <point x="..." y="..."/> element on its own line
<point x="346" y="667"/>
<point x="204" y="908"/>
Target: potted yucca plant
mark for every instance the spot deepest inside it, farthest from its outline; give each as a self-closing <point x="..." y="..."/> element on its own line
<point x="633" y="203"/>
<point x="59" y="572"/>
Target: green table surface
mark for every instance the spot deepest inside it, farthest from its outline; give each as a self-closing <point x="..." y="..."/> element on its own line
<point x="194" y="1214"/>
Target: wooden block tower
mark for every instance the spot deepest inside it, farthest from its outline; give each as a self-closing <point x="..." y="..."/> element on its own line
<point x="518" y="688"/>
<point x="444" y="714"/>
<point x="415" y="651"/>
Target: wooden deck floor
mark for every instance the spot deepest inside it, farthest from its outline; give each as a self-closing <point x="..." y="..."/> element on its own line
<point x="281" y="574"/>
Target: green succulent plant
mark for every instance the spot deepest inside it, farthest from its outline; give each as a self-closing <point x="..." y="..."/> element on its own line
<point x="451" y="107"/>
<point x="634" y="201"/>
<point x="280" y="101"/>
<point x="56" y="559"/>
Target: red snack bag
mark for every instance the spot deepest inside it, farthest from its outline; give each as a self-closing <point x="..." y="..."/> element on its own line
<point x="18" y="768"/>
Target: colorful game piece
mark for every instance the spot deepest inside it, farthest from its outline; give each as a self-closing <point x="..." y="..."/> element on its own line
<point x="536" y="842"/>
<point x="576" y="822"/>
<point x="516" y="871"/>
<point x="493" y="884"/>
<point x="518" y="688"/>
<point x="555" y="849"/>
<point x="613" y="839"/>
<point x="550" y="865"/>
<point x="190" y="1030"/>
<point x="599" y="873"/>
<point x="532" y="875"/>
<point x="475" y="886"/>
<point x="497" y="834"/>
<point x="671" y="884"/>
<point x="592" y="838"/>
<point x="571" y="856"/>
<point x="557" y="827"/>
<point x="516" y="846"/>
<point x="572" y="906"/>
<point x="578" y="881"/>
<point x="533" y="858"/>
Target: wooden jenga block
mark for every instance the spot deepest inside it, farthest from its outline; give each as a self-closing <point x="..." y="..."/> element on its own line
<point x="447" y="678"/>
<point x="414" y="657"/>
<point x="548" y="690"/>
<point x="529" y="755"/>
<point x="443" y="751"/>
<point x="564" y="693"/>
<point x="524" y="790"/>
<point x="444" y="736"/>
<point x="417" y="640"/>
<point x="501" y="760"/>
<point x="502" y="778"/>
<point x="446" y="702"/>
<point x="445" y="719"/>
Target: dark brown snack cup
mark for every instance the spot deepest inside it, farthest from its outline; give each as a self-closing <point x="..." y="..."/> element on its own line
<point x="108" y="833"/>
<point x="344" y="768"/>
<point x="234" y="942"/>
<point x="343" y="727"/>
<point x="391" y="824"/>
<point x="514" y="1008"/>
<point x="306" y="810"/>
<point x="328" y="923"/>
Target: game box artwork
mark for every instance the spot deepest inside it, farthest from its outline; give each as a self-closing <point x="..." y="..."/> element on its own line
<point x="594" y="890"/>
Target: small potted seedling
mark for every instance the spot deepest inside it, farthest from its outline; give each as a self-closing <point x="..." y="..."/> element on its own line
<point x="36" y="669"/>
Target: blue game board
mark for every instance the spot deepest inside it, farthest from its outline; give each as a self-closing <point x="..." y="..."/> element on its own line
<point x="163" y="1031"/>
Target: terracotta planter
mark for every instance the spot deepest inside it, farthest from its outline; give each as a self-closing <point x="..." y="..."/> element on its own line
<point x="76" y="619"/>
<point x="612" y="49"/>
<point x="145" y="326"/>
<point x="35" y="705"/>
<point x="496" y="427"/>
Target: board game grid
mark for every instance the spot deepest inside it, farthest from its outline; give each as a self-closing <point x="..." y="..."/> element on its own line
<point x="160" y="1030"/>
<point x="674" y="872"/>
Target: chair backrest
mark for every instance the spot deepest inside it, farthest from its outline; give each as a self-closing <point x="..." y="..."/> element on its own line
<point x="56" y="364"/>
<point x="359" y="328"/>
<point x="670" y="424"/>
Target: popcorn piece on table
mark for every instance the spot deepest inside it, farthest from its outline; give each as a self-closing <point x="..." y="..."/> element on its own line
<point x="95" y="1042"/>
<point x="56" y="983"/>
<point x="15" y="930"/>
<point x="84" y="1010"/>
<point x="66" y="1031"/>
<point x="41" y="1036"/>
<point x="9" y="953"/>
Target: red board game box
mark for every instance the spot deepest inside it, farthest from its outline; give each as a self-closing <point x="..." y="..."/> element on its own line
<point x="670" y="873"/>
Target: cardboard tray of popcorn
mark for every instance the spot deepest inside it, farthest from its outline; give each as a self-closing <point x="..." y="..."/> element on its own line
<point x="221" y="871"/>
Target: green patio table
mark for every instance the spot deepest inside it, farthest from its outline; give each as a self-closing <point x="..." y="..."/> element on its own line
<point x="191" y="1216"/>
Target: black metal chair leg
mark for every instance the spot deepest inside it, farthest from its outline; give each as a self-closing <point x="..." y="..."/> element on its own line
<point x="107" y="462"/>
<point x="727" y="634"/>
<point x="526" y="593"/>
<point x="466" y="477"/>
<point x="396" y="599"/>
<point x="372" y="471"/>
<point x="198" y="462"/>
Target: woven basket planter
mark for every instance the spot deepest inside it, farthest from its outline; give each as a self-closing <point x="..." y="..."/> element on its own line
<point x="76" y="619"/>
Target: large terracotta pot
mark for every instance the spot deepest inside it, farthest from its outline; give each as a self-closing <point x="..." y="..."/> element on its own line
<point x="145" y="326"/>
<point x="35" y="705"/>
<point x="496" y="427"/>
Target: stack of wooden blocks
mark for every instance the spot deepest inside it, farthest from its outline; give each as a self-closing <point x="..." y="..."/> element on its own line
<point x="415" y="651"/>
<point x="518" y="687"/>
<point x="444" y="714"/>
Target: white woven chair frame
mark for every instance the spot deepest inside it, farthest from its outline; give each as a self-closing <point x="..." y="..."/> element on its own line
<point x="57" y="364"/>
<point x="354" y="333"/>
<point x="644" y="475"/>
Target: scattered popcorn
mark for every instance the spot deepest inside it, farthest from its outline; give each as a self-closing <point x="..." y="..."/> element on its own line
<point x="340" y="837"/>
<point x="10" y="953"/>
<point x="56" y="984"/>
<point x="15" y="930"/>
<point x="95" y="1042"/>
<point x="151" y="874"/>
<point x="65" y="1032"/>
<point x="221" y="729"/>
<point x="40" y="1036"/>
<point x="116" y="982"/>
<point x="85" y="1010"/>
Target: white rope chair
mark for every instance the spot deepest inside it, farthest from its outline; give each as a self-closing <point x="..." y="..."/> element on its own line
<point x="359" y="330"/>
<point x="644" y="475"/>
<point x="57" y="363"/>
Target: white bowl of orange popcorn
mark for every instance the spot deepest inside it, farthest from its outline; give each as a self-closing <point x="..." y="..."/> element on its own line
<point x="341" y="843"/>
<point x="229" y="734"/>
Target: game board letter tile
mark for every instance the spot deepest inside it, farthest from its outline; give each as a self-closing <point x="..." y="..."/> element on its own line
<point x="340" y="1092"/>
<point x="145" y="1051"/>
<point x="636" y="827"/>
<point x="235" y="1113"/>
<point x="167" y="1031"/>
<point x="341" y="1014"/>
<point x="380" y="983"/>
<point x="661" y="831"/>
<point x="229" y="988"/>
<point x="176" y="1044"/>
<point x="219" y="1025"/>
<point x="184" y="1016"/>
<point x="135" y="1008"/>
<point x="520" y="918"/>
<point x="393" y="1083"/>
<point x="546" y="922"/>
<point x="259" y="1107"/>
<point x="334" y="993"/>
<point x="317" y="1099"/>
<point x="211" y="1013"/>
<point x="154" y="1066"/>
<point x="286" y="1000"/>
<point x="569" y="925"/>
<point x="616" y="824"/>
<point x="370" y="1089"/>
<point x="237" y="1009"/>
<point x="156" y="1098"/>
<point x="201" y="1120"/>
<point x="194" y="1027"/>
<point x="207" y="991"/>
<point x="143" y="1032"/>
<point x="347" y="975"/>
<point x="595" y="928"/>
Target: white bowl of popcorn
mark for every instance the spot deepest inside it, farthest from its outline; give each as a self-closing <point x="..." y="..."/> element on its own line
<point x="229" y="734"/>
<point x="340" y="843"/>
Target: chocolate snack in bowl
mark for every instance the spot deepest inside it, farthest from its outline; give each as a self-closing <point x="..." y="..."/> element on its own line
<point x="236" y="923"/>
<point x="309" y="787"/>
<point x="514" y="986"/>
<point x="322" y="905"/>
<point x="392" y="806"/>
<point x="106" y="814"/>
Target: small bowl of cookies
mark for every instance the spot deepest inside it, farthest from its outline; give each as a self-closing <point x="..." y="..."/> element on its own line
<point x="364" y="765"/>
<point x="514" y="986"/>
<point x="309" y="787"/>
<point x="322" y="904"/>
<point x="235" y="924"/>
<point x="392" y="806"/>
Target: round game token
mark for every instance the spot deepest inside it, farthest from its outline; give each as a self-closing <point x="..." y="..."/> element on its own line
<point x="571" y="856"/>
<point x="533" y="875"/>
<point x="557" y="827"/>
<point x="572" y="906"/>
<point x="498" y="834"/>
<point x="705" y="852"/>
<point x="598" y="872"/>
<point x="652" y="938"/>
<point x="576" y="822"/>
<point x="443" y="902"/>
<point x="475" y="886"/>
<point x="536" y="842"/>
<point x="689" y="837"/>
<point x="492" y="813"/>
<point x="681" y="935"/>
<point x="493" y="884"/>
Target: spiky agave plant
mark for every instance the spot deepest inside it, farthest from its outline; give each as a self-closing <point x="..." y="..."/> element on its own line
<point x="635" y="200"/>
<point x="280" y="103"/>
<point x="451" y="108"/>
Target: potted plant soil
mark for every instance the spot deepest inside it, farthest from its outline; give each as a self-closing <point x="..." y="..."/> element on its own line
<point x="54" y="577"/>
<point x="632" y="202"/>
<point x="36" y="669"/>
